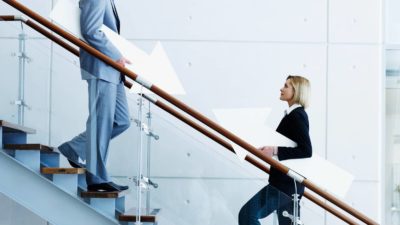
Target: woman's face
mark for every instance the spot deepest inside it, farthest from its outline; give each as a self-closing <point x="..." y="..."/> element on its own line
<point x="287" y="92"/>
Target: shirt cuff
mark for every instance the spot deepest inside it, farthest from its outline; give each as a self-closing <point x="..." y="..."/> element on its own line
<point x="275" y="150"/>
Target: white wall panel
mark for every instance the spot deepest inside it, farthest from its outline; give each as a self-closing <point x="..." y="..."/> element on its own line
<point x="11" y="29"/>
<point x="354" y="109"/>
<point x="357" y="21"/>
<point x="254" y="20"/>
<point x="392" y="21"/>
<point x="363" y="196"/>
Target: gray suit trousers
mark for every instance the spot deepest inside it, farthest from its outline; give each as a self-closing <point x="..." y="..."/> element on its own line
<point x="108" y="117"/>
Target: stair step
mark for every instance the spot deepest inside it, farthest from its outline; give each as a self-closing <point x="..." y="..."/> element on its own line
<point x="99" y="194"/>
<point x="48" y="170"/>
<point x="15" y="128"/>
<point x="39" y="147"/>
<point x="149" y="216"/>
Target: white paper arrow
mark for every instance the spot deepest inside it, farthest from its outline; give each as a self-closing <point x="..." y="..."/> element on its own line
<point x="249" y="124"/>
<point x="324" y="173"/>
<point x="155" y="68"/>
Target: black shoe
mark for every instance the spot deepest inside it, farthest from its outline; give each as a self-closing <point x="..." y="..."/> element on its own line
<point x="75" y="165"/>
<point x="119" y="187"/>
<point x="103" y="187"/>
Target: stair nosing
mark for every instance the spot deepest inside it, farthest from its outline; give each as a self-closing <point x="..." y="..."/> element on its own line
<point x="57" y="170"/>
<point x="28" y="147"/>
<point x="144" y="218"/>
<point x="17" y="128"/>
<point x="98" y="194"/>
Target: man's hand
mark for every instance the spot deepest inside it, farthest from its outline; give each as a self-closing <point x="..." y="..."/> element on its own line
<point x="268" y="150"/>
<point x="123" y="61"/>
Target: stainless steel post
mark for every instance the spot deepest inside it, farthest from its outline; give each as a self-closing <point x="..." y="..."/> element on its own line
<point x="140" y="152"/>
<point x="21" y="70"/>
<point x="149" y="116"/>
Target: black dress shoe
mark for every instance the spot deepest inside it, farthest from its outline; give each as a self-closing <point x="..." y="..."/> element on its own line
<point x="73" y="164"/>
<point x="102" y="187"/>
<point x="119" y="187"/>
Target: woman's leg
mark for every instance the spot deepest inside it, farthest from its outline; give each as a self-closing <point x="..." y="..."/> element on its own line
<point x="259" y="206"/>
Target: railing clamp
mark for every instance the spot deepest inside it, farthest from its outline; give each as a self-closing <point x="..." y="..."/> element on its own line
<point x="288" y="215"/>
<point x="145" y="128"/>
<point x="145" y="182"/>
<point x="20" y="18"/>
<point x="22" y="55"/>
<point x="297" y="177"/>
<point x="20" y="102"/>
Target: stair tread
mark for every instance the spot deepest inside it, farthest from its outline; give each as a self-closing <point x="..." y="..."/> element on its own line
<point x="99" y="194"/>
<point x="13" y="128"/>
<point x="147" y="215"/>
<point x="54" y="170"/>
<point x="28" y="147"/>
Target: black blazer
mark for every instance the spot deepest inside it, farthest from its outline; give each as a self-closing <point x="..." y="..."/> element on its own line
<point x="294" y="126"/>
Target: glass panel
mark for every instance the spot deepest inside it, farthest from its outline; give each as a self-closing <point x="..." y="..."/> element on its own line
<point x="9" y="75"/>
<point x="25" y="80"/>
<point x="197" y="180"/>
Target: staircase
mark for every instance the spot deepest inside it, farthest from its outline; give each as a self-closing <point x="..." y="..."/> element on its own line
<point x="31" y="175"/>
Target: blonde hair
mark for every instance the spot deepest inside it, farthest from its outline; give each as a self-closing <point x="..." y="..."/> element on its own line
<point x="301" y="88"/>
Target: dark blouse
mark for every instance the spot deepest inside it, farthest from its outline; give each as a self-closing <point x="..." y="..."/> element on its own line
<point x="294" y="126"/>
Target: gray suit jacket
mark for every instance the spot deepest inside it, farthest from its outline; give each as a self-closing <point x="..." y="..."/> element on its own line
<point x="95" y="13"/>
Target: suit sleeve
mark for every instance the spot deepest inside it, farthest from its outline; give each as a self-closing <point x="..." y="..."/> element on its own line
<point x="301" y="137"/>
<point x="92" y="14"/>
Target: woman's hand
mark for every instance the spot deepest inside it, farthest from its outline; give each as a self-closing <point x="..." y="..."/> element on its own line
<point x="268" y="150"/>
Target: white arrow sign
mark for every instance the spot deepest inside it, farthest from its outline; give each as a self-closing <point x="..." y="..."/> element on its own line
<point x="250" y="125"/>
<point x="154" y="68"/>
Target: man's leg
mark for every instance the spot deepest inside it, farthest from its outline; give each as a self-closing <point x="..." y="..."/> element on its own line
<point x="102" y="103"/>
<point x="259" y="206"/>
<point x="75" y="148"/>
<point x="121" y="118"/>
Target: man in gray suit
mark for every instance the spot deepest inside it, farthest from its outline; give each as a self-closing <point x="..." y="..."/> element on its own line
<point x="108" y="108"/>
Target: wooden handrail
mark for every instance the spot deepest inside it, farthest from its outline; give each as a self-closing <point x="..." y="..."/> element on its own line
<point x="7" y="18"/>
<point x="182" y="118"/>
<point x="190" y="111"/>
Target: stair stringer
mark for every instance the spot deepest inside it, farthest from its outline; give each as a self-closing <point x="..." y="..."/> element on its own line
<point x="43" y="198"/>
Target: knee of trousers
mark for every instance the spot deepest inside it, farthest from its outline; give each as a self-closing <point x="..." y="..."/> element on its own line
<point x="124" y="126"/>
<point x="246" y="215"/>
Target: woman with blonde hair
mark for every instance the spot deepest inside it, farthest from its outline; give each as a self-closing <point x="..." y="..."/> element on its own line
<point x="277" y="195"/>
